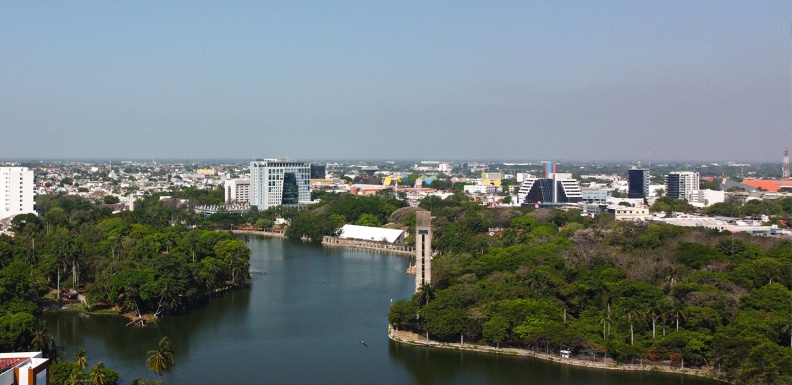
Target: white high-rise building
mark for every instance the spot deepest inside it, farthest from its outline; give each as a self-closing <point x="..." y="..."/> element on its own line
<point x="680" y="184"/>
<point x="237" y="190"/>
<point x="275" y="182"/>
<point x="17" y="192"/>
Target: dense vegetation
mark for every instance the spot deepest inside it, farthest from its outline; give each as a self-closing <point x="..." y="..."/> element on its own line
<point x="140" y="262"/>
<point x="551" y="280"/>
<point x="339" y="209"/>
<point x="543" y="279"/>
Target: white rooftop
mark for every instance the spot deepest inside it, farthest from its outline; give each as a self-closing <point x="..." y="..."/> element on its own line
<point x="366" y="233"/>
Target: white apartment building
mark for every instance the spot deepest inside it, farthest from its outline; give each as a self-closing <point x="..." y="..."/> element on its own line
<point x="522" y="176"/>
<point x="275" y="182"/>
<point x="704" y="198"/>
<point x="680" y="184"/>
<point x="17" y="191"/>
<point x="237" y="190"/>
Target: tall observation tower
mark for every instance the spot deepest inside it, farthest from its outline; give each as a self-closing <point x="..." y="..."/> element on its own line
<point x="423" y="248"/>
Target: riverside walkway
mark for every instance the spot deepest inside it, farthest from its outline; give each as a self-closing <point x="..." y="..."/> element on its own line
<point x="416" y="339"/>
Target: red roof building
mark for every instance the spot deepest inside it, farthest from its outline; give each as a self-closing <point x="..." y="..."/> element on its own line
<point x="24" y="368"/>
<point x="768" y="184"/>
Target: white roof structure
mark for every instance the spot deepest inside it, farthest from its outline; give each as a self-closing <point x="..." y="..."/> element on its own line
<point x="377" y="234"/>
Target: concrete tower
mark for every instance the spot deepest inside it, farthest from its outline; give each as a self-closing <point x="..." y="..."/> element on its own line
<point x="423" y="248"/>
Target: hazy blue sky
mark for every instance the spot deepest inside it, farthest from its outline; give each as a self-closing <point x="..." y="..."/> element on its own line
<point x="516" y="80"/>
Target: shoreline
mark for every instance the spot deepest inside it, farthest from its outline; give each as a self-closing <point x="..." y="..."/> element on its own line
<point x="370" y="248"/>
<point x="257" y="232"/>
<point x="352" y="244"/>
<point x="134" y="319"/>
<point x="410" y="338"/>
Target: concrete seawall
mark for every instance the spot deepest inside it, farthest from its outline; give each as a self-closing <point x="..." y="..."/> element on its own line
<point x="418" y="340"/>
<point x="369" y="245"/>
<point x="263" y="233"/>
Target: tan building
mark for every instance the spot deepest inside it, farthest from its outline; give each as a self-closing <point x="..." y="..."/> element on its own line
<point x="624" y="213"/>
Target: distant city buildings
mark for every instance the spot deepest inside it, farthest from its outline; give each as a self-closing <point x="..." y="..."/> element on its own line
<point x="318" y="171"/>
<point x="627" y="213"/>
<point x="17" y="191"/>
<point x="772" y="185"/>
<point x="595" y="195"/>
<point x="704" y="198"/>
<point x="550" y="168"/>
<point x="493" y="176"/>
<point x="522" y="176"/>
<point x="637" y="183"/>
<point x="557" y="188"/>
<point x="237" y="190"/>
<point x="283" y="182"/>
<point x="275" y="182"/>
<point x="680" y="184"/>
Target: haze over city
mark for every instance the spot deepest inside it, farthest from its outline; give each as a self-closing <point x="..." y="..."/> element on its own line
<point x="405" y="80"/>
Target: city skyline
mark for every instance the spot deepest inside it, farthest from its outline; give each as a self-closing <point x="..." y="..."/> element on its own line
<point x="505" y="81"/>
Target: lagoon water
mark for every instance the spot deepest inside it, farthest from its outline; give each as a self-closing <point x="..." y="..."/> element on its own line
<point x="302" y="322"/>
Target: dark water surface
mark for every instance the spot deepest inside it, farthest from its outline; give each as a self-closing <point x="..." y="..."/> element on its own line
<point x="302" y="323"/>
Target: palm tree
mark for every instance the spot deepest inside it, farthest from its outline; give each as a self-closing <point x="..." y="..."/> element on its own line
<point x="678" y="313"/>
<point x="632" y="313"/>
<point x="666" y="311"/>
<point x="426" y="293"/>
<point x="786" y="328"/>
<point x="42" y="339"/>
<point x="161" y="360"/>
<point x="98" y="374"/>
<point x="76" y="377"/>
<point x="655" y="313"/>
<point x="115" y="243"/>
<point x="81" y="358"/>
<point x="671" y="275"/>
<point x="608" y="295"/>
<point x="605" y="320"/>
